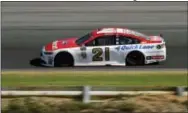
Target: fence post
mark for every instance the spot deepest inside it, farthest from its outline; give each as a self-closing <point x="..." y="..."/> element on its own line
<point x="86" y="95"/>
<point x="179" y="91"/>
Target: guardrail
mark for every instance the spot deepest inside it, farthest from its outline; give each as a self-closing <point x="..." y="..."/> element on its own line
<point x="87" y="93"/>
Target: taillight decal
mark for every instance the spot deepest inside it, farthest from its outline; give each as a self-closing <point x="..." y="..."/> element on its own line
<point x="157" y="57"/>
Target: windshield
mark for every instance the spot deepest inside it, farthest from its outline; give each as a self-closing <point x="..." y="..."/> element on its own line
<point x="83" y="39"/>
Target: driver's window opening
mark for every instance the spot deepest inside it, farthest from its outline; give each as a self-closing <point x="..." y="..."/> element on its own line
<point x="102" y="41"/>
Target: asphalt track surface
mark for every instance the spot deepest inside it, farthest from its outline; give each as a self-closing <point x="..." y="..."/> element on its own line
<point x="27" y="26"/>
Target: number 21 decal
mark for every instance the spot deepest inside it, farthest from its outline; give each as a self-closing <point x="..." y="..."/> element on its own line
<point x="98" y="52"/>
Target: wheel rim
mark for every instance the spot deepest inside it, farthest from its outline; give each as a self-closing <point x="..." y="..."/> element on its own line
<point x="134" y="59"/>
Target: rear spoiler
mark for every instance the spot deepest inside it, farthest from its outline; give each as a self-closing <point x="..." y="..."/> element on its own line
<point x="161" y="35"/>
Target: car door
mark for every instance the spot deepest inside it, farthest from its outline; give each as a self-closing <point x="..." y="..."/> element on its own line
<point x="101" y="50"/>
<point x="126" y="44"/>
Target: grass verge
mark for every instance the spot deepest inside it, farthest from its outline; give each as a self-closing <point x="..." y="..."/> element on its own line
<point x="78" y="78"/>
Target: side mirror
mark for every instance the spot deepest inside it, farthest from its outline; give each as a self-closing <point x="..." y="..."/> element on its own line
<point x="83" y="48"/>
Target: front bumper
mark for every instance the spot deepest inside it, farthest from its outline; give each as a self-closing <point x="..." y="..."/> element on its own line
<point x="46" y="59"/>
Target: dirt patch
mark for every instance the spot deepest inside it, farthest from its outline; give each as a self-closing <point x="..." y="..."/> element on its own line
<point x="162" y="103"/>
<point x="141" y="103"/>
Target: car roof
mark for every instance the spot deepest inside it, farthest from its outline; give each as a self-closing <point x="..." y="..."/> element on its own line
<point x="116" y="30"/>
<point x="111" y="30"/>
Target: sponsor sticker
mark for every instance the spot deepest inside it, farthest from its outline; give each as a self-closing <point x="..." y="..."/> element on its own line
<point x="129" y="47"/>
<point x="83" y="55"/>
<point x="159" y="47"/>
<point x="64" y="42"/>
<point x="54" y="45"/>
<point x="158" y="52"/>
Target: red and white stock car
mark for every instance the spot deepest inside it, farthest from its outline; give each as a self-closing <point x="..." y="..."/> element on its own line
<point x="105" y="46"/>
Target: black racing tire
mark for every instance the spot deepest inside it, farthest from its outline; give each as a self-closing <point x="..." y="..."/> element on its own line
<point x="63" y="59"/>
<point x="135" y="58"/>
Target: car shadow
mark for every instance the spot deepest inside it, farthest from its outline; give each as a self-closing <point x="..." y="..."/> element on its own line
<point x="36" y="62"/>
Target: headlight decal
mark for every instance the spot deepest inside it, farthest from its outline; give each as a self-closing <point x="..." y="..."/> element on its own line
<point x="48" y="53"/>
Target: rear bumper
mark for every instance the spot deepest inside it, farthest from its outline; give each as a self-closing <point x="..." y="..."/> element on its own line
<point x="156" y="56"/>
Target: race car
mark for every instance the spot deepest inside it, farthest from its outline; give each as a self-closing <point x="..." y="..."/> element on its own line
<point x="104" y="47"/>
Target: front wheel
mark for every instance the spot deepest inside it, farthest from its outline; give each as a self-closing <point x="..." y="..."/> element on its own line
<point x="64" y="59"/>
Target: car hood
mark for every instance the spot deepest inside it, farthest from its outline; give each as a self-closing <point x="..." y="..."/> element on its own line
<point x="60" y="44"/>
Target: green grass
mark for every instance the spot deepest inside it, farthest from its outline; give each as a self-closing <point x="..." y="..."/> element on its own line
<point x="78" y="78"/>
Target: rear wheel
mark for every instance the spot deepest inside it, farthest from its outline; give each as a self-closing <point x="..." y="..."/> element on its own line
<point x="135" y="58"/>
<point x="63" y="59"/>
